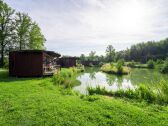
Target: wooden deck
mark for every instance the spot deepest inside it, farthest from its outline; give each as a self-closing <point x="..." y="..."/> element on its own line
<point x="47" y="71"/>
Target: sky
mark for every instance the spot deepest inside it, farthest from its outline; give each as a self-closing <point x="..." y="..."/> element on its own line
<point x="73" y="27"/>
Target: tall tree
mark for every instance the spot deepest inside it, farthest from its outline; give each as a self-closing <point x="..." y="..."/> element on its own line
<point x="23" y="26"/>
<point x="82" y="57"/>
<point x="110" y="53"/>
<point x="6" y="28"/>
<point x="36" y="38"/>
<point x="92" y="55"/>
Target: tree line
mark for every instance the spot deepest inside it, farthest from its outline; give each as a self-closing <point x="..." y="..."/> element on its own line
<point x="17" y="32"/>
<point x="141" y="52"/>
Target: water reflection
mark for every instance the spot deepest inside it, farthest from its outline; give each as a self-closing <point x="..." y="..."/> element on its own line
<point x="93" y="77"/>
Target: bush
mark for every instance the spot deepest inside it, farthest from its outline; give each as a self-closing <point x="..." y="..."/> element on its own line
<point x="159" y="61"/>
<point x="131" y="64"/>
<point x="119" y="66"/>
<point x="97" y="90"/>
<point x="141" y="93"/>
<point x="66" y="77"/>
<point x="145" y="93"/>
<point x="164" y="91"/>
<point x="121" y="61"/>
<point x="164" y="69"/>
<point x="6" y="63"/>
<point x="150" y="64"/>
<point x="101" y="64"/>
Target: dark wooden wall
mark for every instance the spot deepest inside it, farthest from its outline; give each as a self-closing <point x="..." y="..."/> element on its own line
<point x="67" y="62"/>
<point x="26" y="64"/>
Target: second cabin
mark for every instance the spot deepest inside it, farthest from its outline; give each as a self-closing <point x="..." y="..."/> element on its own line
<point x="67" y="61"/>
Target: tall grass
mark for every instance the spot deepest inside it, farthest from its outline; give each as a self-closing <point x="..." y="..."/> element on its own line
<point x="164" y="68"/>
<point x="66" y="77"/>
<point x="141" y="93"/>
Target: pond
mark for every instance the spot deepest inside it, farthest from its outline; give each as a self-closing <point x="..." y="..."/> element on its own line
<point x="92" y="77"/>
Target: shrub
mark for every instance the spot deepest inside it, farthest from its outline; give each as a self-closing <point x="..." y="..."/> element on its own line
<point x="121" y="61"/>
<point x="150" y="64"/>
<point x="159" y="61"/>
<point x="145" y="93"/>
<point x="164" y="90"/>
<point x="97" y="90"/>
<point x="6" y="63"/>
<point x="131" y="64"/>
<point x="141" y="93"/>
<point x="66" y="77"/>
<point x="164" y="69"/>
<point x="101" y="64"/>
<point x="119" y="67"/>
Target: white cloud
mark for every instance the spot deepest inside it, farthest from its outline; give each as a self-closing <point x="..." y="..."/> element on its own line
<point x="78" y="26"/>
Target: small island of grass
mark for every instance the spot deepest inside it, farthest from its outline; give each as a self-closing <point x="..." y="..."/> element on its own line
<point x="117" y="69"/>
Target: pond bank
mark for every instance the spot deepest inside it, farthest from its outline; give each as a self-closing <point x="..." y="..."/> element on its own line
<point x="93" y="77"/>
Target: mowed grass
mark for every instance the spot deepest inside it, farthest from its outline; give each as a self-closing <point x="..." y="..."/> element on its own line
<point x="37" y="102"/>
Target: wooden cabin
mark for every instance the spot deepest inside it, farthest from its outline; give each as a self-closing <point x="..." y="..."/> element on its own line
<point x="32" y="63"/>
<point x="67" y="61"/>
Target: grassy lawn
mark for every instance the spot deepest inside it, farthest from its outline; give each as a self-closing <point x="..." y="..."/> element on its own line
<point x="36" y="101"/>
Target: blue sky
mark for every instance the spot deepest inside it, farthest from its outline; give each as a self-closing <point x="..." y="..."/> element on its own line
<point x="72" y="27"/>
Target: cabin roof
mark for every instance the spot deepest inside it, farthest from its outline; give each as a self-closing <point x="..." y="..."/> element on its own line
<point x="51" y="53"/>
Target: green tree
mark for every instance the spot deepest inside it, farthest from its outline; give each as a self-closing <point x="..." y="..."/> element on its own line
<point x="36" y="38"/>
<point x="82" y="57"/>
<point x="6" y="28"/>
<point x="92" y="55"/>
<point x="110" y="53"/>
<point x="23" y="26"/>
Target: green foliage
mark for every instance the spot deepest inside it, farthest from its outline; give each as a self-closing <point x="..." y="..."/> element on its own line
<point x="6" y="30"/>
<point x="145" y="93"/>
<point x="101" y="64"/>
<point x="110" y="53"/>
<point x="36" y="38"/>
<point x="97" y="90"/>
<point x="91" y="98"/>
<point x="151" y="64"/>
<point x="92" y="56"/>
<point x="17" y="32"/>
<point x="164" y="68"/>
<point x="119" y="66"/>
<point x="131" y="64"/>
<point x="141" y="93"/>
<point x="23" y="26"/>
<point x="163" y="93"/>
<point x="159" y="61"/>
<point x="118" y="69"/>
<point x="28" y="33"/>
<point x="6" y="63"/>
<point x="66" y="77"/>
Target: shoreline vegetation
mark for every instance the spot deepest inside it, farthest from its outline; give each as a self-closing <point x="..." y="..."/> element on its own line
<point x="117" y="69"/>
<point x="158" y="95"/>
<point x="67" y="76"/>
